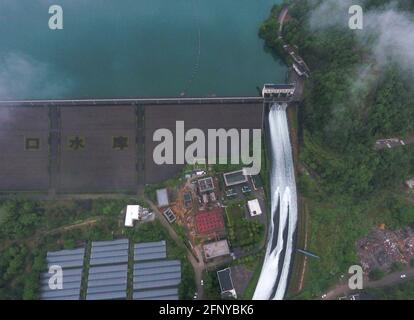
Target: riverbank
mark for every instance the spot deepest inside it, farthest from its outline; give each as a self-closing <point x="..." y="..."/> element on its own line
<point x="298" y="269"/>
<point x="280" y="13"/>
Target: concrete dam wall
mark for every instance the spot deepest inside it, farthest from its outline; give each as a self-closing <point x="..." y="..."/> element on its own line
<point x="104" y="146"/>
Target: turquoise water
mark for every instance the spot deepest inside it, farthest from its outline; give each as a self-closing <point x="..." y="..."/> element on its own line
<point x="134" y="48"/>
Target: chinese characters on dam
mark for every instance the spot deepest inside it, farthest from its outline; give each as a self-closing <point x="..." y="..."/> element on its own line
<point x="110" y="148"/>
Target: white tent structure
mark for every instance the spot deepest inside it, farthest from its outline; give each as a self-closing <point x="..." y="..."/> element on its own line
<point x="135" y="213"/>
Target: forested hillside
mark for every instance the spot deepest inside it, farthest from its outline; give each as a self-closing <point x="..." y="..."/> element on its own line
<point x="351" y="100"/>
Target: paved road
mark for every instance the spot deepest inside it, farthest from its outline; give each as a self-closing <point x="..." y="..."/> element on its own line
<point x="132" y="101"/>
<point x="389" y="280"/>
<point x="393" y="142"/>
<point x="281" y="19"/>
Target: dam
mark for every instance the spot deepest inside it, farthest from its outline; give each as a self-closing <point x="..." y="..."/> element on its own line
<point x="100" y="146"/>
<point x="103" y="145"/>
<point x="106" y="145"/>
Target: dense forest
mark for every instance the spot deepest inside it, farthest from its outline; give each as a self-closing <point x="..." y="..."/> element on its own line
<point x="349" y="102"/>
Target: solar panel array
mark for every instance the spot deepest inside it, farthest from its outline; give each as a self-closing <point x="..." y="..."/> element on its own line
<point x="66" y="258"/>
<point x="107" y="282"/>
<point x="109" y="252"/>
<point x="70" y="286"/>
<point x="71" y="262"/>
<point x="150" y="251"/>
<point x="157" y="280"/>
<point x="154" y="278"/>
<point x="160" y="294"/>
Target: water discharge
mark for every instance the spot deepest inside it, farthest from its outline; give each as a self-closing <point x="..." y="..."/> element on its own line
<point x="273" y="279"/>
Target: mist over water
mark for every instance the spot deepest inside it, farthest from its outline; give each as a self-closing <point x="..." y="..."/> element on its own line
<point x="273" y="279"/>
<point x="134" y="48"/>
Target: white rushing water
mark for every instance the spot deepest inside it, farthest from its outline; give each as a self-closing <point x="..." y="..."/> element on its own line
<point x="273" y="280"/>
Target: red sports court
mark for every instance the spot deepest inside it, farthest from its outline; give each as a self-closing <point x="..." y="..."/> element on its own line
<point x="210" y="221"/>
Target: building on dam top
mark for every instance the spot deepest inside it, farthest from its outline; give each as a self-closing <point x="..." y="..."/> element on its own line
<point x="278" y="90"/>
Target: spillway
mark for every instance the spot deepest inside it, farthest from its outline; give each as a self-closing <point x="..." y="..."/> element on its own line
<point x="273" y="279"/>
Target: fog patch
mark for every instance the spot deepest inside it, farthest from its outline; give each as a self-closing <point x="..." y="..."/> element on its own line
<point x="388" y="30"/>
<point x="22" y="77"/>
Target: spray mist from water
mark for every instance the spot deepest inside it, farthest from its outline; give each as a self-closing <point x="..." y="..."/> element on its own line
<point x="273" y="279"/>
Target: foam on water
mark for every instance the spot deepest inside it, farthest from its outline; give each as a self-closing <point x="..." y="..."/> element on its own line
<point x="275" y="271"/>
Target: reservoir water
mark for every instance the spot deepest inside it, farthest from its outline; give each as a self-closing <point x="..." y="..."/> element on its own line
<point x="134" y="48"/>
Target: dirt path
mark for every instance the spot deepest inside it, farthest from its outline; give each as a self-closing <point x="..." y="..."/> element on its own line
<point x="198" y="266"/>
<point x="87" y="222"/>
<point x="389" y="280"/>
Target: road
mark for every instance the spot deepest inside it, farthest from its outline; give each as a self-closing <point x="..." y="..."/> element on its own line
<point x="198" y="266"/>
<point x="281" y="19"/>
<point x="293" y="76"/>
<point x="389" y="280"/>
<point x="132" y="101"/>
<point x="391" y="143"/>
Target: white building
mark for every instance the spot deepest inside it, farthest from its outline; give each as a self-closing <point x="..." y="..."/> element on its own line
<point x="278" y="90"/>
<point x="135" y="213"/>
<point x="162" y="198"/>
<point x="254" y="207"/>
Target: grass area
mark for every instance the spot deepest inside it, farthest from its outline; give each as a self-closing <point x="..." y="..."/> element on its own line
<point x="180" y="231"/>
<point x="172" y="183"/>
<point x="211" y="286"/>
<point x="248" y="293"/>
<point x="242" y="232"/>
<point x="336" y="223"/>
<point x="404" y="291"/>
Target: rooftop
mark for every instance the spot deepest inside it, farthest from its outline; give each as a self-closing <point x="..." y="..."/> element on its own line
<point x="109" y="252"/>
<point x="162" y="197"/>
<point x="71" y="262"/>
<point x="216" y="249"/>
<point x="226" y="282"/>
<point x="107" y="282"/>
<point x="157" y="280"/>
<point x="150" y="251"/>
<point x="206" y="184"/>
<point x="169" y="215"/>
<point x="234" y="178"/>
<point x="254" y="207"/>
<point x="135" y="213"/>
